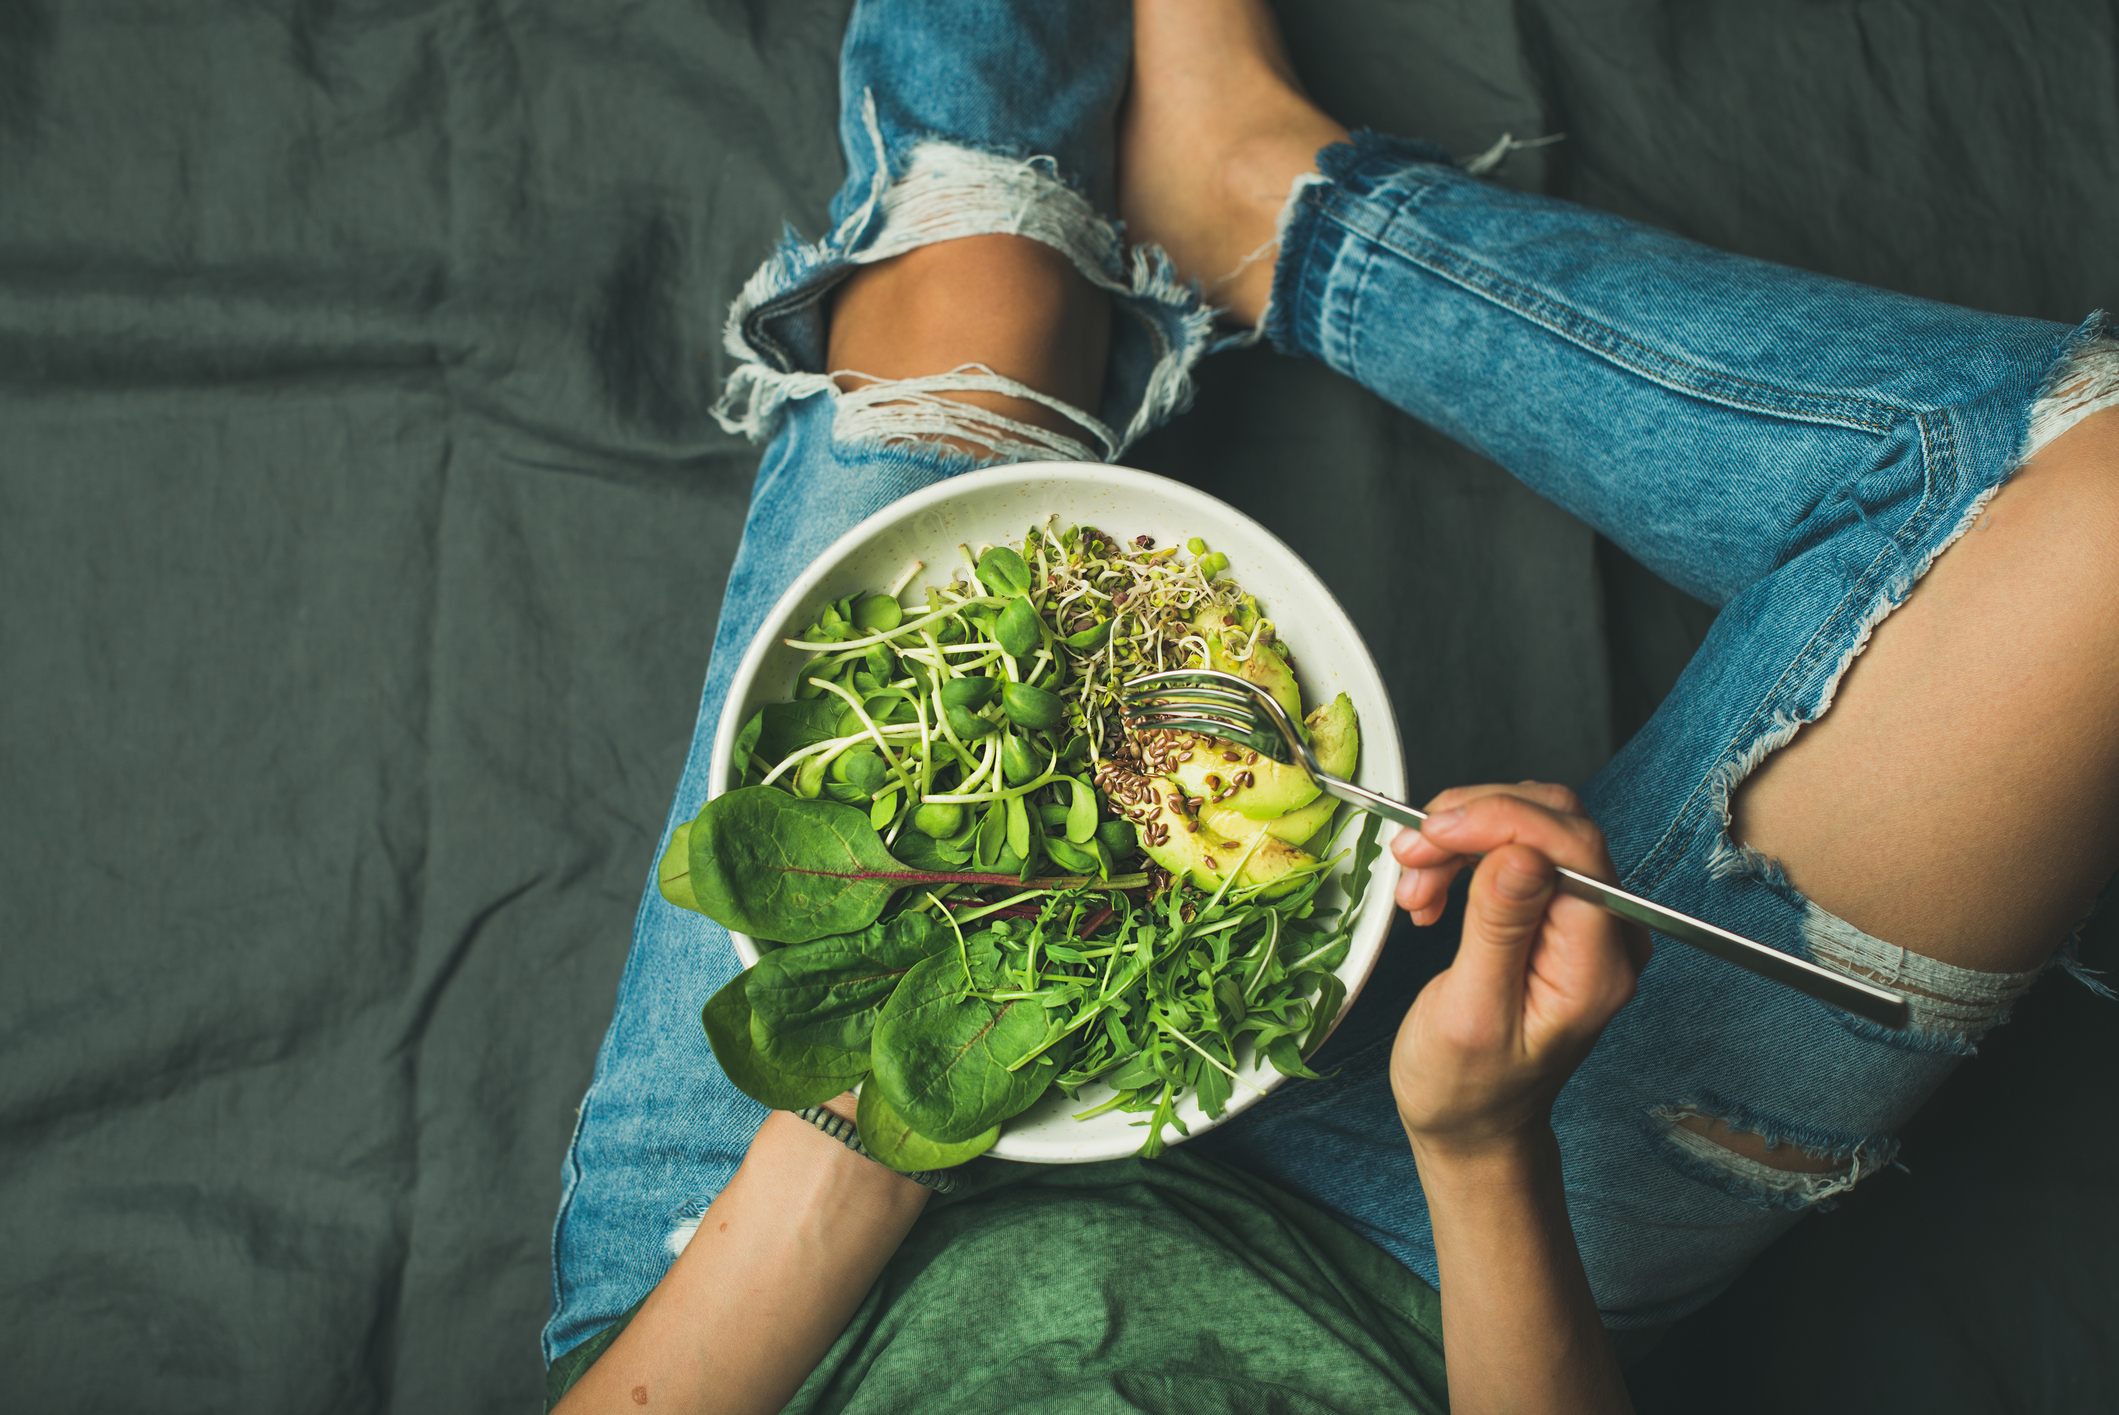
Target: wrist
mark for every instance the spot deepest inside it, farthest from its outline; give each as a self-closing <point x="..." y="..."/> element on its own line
<point x="798" y="1155"/>
<point x="1493" y="1162"/>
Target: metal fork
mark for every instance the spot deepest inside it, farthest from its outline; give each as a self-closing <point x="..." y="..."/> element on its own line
<point x="1234" y="710"/>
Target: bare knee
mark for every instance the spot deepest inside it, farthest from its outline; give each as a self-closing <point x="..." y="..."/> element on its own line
<point x="1008" y="305"/>
<point x="1961" y="796"/>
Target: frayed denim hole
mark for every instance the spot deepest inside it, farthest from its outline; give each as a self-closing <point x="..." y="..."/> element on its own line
<point x="2069" y="957"/>
<point x="1952" y="1007"/>
<point x="945" y="192"/>
<point x="2083" y="380"/>
<point x="1763" y="1185"/>
<point x="1889" y="581"/>
<point x="683" y="1224"/>
<point x="908" y="411"/>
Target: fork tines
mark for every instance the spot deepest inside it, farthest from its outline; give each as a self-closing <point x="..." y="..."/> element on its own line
<point x="1199" y="700"/>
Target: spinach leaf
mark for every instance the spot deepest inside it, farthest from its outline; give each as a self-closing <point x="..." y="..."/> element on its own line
<point x="827" y="993"/>
<point x="941" y="1058"/>
<point x="804" y="1056"/>
<point x="789" y="870"/>
<point x="673" y="875"/>
<point x="727" y="1020"/>
<point x="889" y="1139"/>
<point x="746" y="745"/>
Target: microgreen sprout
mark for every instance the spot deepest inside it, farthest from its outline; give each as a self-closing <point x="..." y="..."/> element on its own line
<point x="966" y="733"/>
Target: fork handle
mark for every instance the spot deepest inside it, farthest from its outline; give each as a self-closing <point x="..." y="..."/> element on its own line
<point x="1879" y="1005"/>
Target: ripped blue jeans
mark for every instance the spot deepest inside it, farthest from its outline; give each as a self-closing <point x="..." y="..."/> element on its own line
<point x="1795" y="449"/>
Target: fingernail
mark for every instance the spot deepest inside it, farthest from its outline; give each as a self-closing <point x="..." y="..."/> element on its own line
<point x="1519" y="884"/>
<point x="1442" y="820"/>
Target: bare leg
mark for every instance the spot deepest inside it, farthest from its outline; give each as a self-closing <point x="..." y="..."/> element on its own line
<point x="1961" y="797"/>
<point x="1008" y="302"/>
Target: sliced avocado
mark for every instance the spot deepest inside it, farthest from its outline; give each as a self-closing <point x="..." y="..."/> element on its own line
<point x="1335" y="736"/>
<point x="1202" y="766"/>
<point x="1265" y="666"/>
<point x="1296" y="827"/>
<point x="1178" y="842"/>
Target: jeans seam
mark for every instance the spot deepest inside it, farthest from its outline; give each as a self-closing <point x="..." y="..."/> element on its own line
<point x="1348" y="326"/>
<point x="1939" y="483"/>
<point x="1575" y="327"/>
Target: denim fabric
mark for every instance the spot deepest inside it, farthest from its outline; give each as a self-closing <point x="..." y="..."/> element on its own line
<point x="1795" y="448"/>
<point x="971" y="117"/>
<point x="1010" y="108"/>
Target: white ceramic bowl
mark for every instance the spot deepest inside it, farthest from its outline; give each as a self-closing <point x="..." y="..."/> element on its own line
<point x="996" y="507"/>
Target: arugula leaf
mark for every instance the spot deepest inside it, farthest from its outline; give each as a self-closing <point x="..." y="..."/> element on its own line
<point x="1366" y="848"/>
<point x="1324" y="1011"/>
<point x="1213" y="1088"/>
<point x="1286" y="1057"/>
<point x="727" y="1020"/>
<point x="890" y="1140"/>
<point x="941" y="1058"/>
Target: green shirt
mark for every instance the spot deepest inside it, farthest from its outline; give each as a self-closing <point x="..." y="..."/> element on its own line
<point x="1175" y="1285"/>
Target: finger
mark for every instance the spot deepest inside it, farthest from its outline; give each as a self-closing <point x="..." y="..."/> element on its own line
<point x="1489" y="822"/>
<point x="1418" y="850"/>
<point x="1550" y="795"/>
<point x="1425" y="893"/>
<point x="1510" y="892"/>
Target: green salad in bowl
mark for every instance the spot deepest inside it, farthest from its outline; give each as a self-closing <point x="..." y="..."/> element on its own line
<point x="965" y="886"/>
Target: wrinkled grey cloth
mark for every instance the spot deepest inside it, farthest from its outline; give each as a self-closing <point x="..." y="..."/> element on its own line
<point x="362" y="529"/>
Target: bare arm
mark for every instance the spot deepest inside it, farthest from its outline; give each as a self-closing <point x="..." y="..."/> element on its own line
<point x="780" y="1262"/>
<point x="1481" y="1056"/>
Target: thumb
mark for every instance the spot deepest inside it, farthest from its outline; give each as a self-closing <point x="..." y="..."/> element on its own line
<point x="1509" y="894"/>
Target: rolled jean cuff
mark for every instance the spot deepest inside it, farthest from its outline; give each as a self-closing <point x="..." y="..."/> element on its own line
<point x="1365" y="162"/>
<point x="940" y="191"/>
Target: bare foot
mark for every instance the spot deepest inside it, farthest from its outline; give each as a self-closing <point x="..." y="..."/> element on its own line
<point x="1214" y="132"/>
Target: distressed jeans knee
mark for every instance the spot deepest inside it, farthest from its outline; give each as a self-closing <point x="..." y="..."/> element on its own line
<point x="939" y="191"/>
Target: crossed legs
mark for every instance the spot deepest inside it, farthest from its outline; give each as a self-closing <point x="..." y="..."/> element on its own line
<point x="1961" y="797"/>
